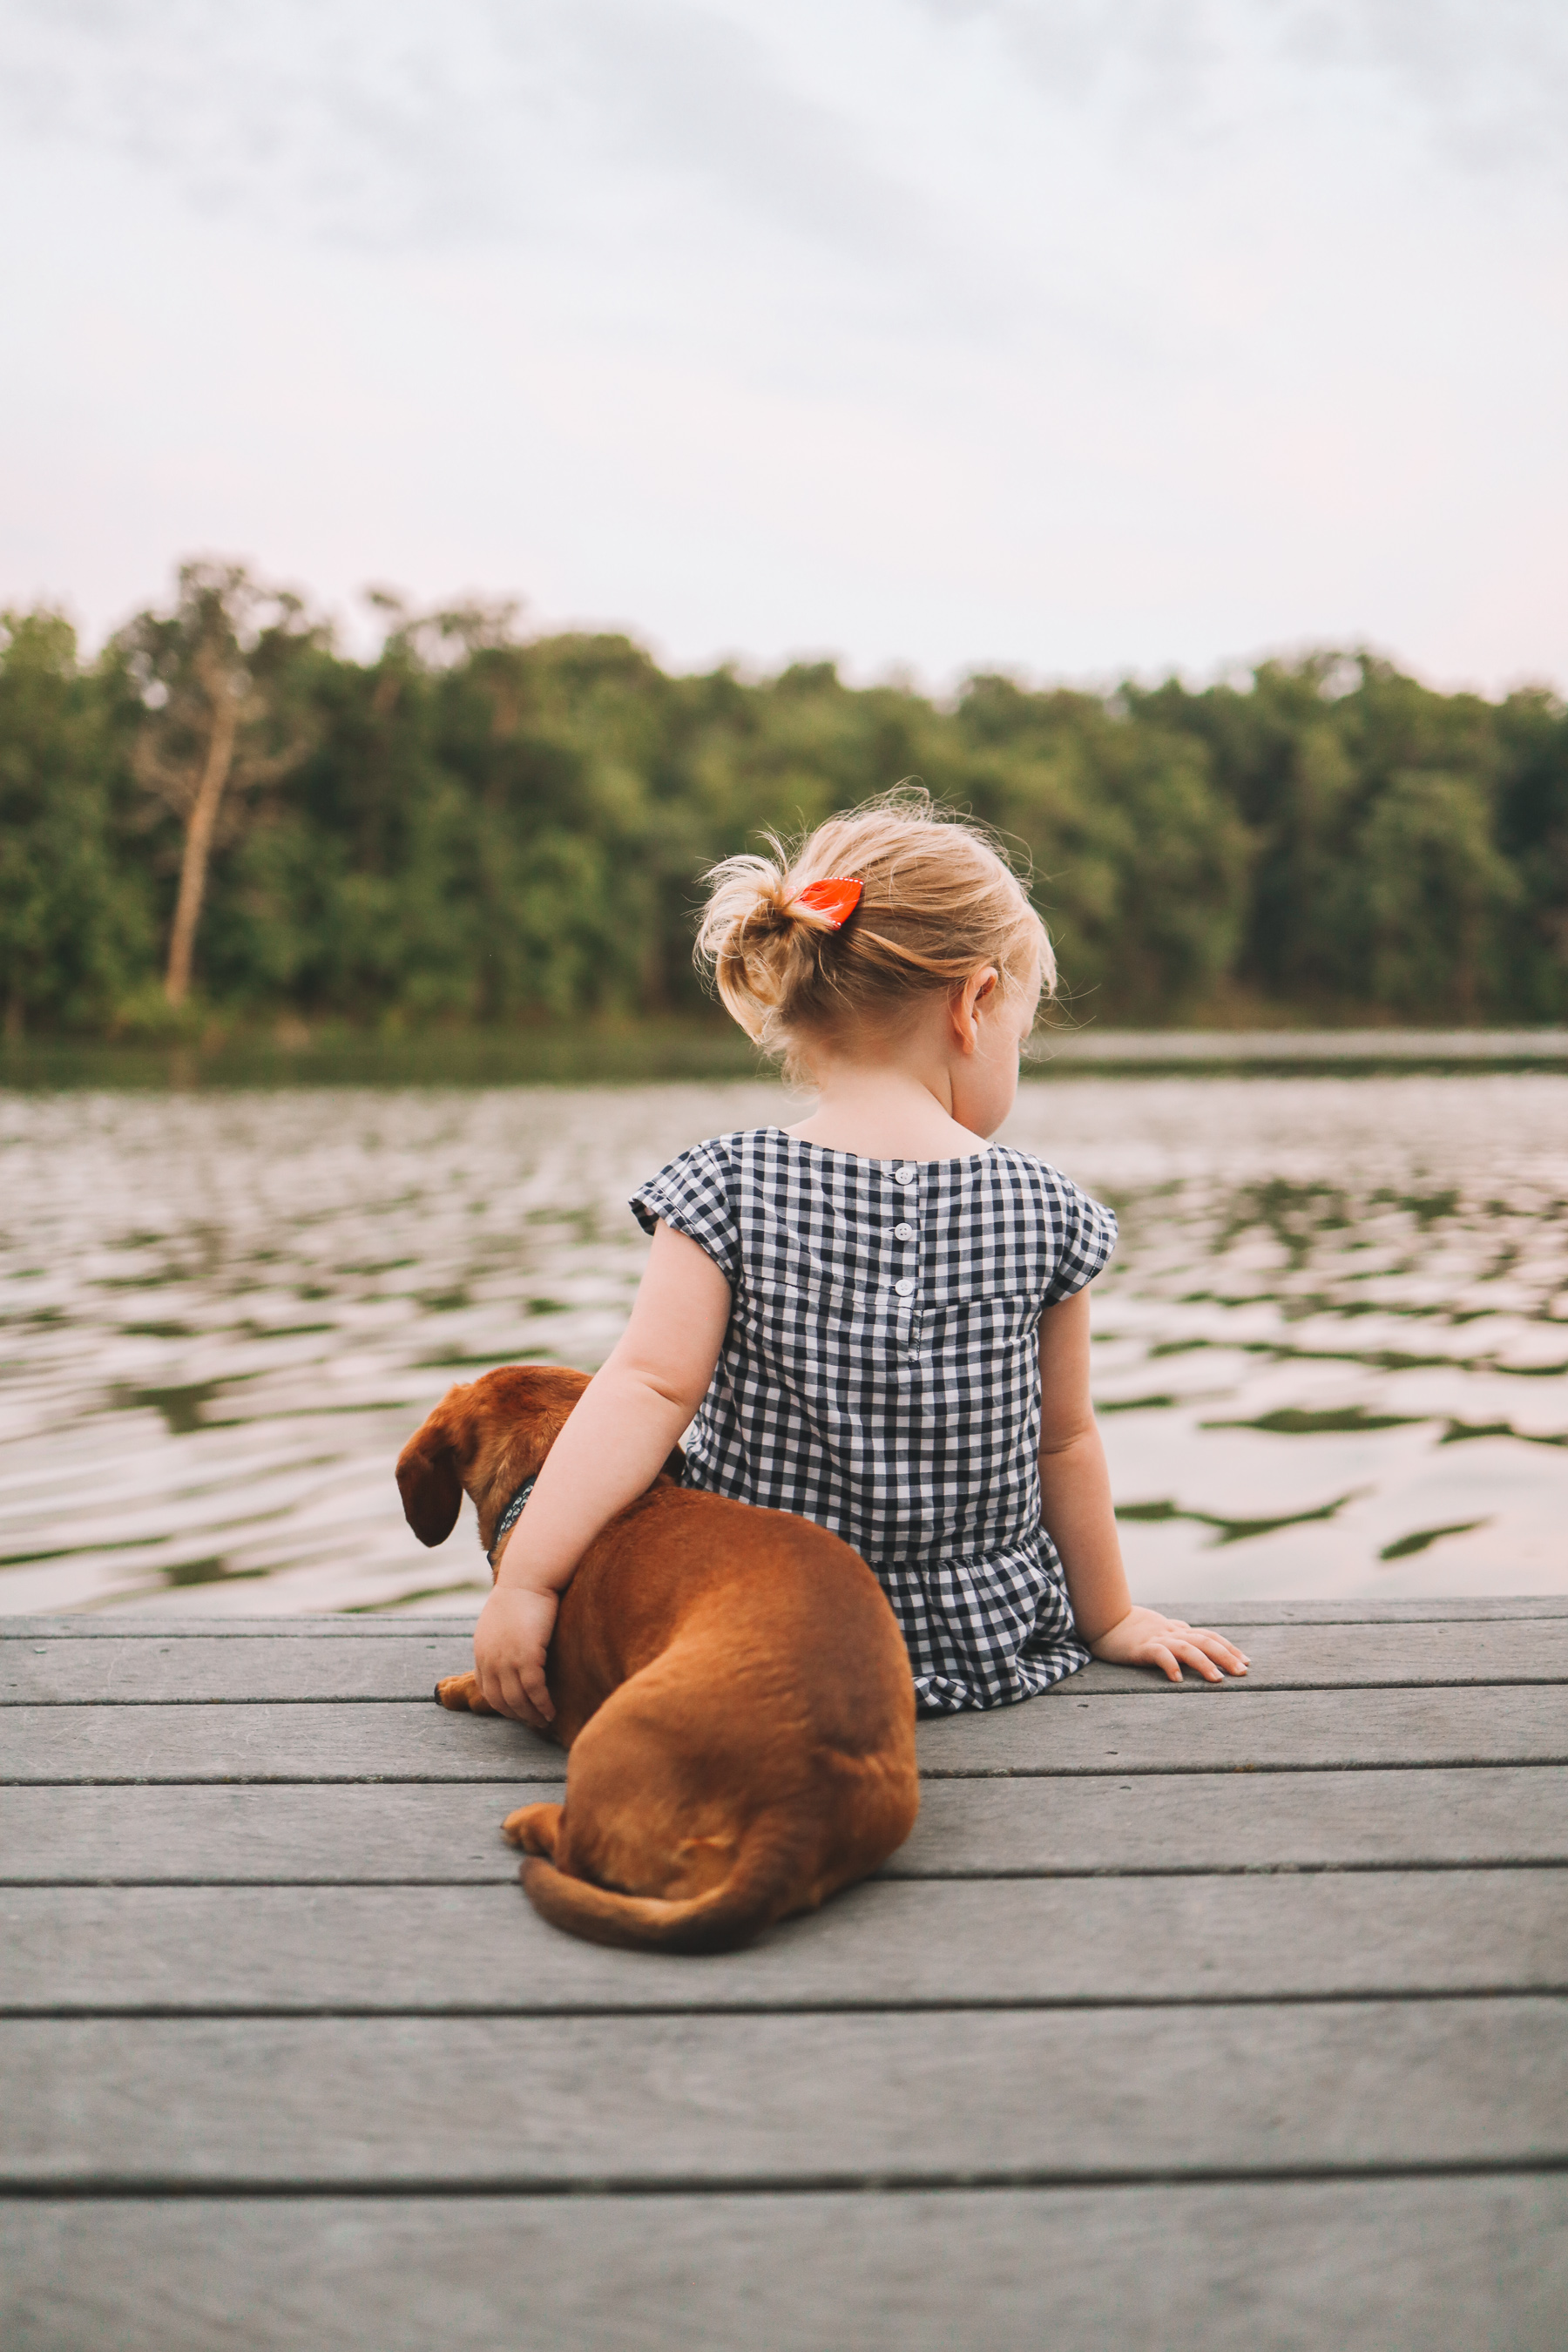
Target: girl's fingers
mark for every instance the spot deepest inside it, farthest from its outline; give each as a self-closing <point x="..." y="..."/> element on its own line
<point x="1209" y="1655"/>
<point x="529" y="1707"/>
<point x="1216" y="1646"/>
<point x="1200" y="1663"/>
<point x="515" y="1697"/>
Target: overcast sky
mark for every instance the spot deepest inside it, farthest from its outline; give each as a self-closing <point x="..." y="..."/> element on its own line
<point x="1072" y="336"/>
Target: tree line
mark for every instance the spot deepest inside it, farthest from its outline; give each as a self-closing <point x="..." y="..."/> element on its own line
<point x="223" y="816"/>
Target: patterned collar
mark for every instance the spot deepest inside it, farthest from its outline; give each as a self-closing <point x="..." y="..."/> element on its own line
<point x="510" y="1515"/>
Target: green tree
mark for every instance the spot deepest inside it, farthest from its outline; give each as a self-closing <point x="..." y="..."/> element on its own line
<point x="1142" y="866"/>
<point x="1277" y="757"/>
<point x="75" y="933"/>
<point x="1432" y="891"/>
<point x="214" y="677"/>
<point x="1532" y="836"/>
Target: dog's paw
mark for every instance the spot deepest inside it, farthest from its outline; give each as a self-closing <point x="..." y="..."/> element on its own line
<point x="460" y="1691"/>
<point x="534" y="1828"/>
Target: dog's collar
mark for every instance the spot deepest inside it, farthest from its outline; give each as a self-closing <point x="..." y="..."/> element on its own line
<point x="510" y="1515"/>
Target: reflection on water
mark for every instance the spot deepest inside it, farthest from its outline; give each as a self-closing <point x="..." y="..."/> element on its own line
<point x="1329" y="1361"/>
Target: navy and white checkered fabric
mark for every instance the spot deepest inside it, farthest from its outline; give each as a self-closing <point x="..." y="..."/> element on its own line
<point x="879" y="1376"/>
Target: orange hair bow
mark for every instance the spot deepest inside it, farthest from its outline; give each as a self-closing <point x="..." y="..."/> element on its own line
<point x="829" y="905"/>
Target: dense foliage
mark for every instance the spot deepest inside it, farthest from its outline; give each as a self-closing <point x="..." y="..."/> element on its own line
<point x="474" y="827"/>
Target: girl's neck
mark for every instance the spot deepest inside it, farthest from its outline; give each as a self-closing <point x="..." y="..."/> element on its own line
<point x="882" y="1112"/>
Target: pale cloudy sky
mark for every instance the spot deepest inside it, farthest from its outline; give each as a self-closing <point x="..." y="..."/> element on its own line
<point x="1074" y="336"/>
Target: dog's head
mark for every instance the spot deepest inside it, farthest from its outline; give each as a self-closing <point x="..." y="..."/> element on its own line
<point x="483" y="1439"/>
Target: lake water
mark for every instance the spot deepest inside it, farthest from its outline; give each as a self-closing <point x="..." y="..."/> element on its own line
<point x="1331" y="1353"/>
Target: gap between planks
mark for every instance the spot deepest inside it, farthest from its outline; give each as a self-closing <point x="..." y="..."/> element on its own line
<point x="146" y="1625"/>
<point x="883" y="2181"/>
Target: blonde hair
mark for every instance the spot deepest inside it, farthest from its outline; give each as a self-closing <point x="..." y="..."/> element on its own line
<point x="938" y="900"/>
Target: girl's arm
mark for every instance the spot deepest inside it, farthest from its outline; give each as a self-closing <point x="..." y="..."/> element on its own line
<point x="1076" y="1510"/>
<point x="610" y="1451"/>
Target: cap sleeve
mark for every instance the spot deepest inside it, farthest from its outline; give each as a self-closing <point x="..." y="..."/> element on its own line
<point x="1083" y="1236"/>
<point x="694" y="1196"/>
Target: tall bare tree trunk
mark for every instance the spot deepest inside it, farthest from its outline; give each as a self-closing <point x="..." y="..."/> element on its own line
<point x="202" y="823"/>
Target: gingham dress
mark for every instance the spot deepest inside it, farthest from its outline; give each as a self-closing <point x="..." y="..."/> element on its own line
<point x="879" y="1376"/>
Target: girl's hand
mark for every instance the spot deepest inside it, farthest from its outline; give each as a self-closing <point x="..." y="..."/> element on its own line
<point x="510" y="1644"/>
<point x="1144" y="1638"/>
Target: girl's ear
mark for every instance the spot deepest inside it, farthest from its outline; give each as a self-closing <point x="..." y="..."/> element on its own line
<point x="975" y="990"/>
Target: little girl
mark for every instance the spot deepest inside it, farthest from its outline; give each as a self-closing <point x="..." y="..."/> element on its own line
<point x="878" y="1319"/>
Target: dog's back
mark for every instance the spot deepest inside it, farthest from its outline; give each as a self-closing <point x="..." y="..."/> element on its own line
<point x="730" y="1684"/>
<point x="737" y="1703"/>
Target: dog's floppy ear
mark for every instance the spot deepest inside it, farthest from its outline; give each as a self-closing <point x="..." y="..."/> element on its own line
<point x="427" y="1479"/>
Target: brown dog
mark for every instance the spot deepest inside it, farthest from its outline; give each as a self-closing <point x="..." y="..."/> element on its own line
<point x="730" y="1683"/>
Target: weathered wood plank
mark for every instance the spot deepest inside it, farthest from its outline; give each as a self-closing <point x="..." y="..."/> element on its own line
<point x="1006" y="2095"/>
<point x="1449" y="2266"/>
<point x="1228" y="1727"/>
<point x="446" y="1833"/>
<point x="1360" y="1657"/>
<point x="151" y="1626"/>
<point x="1211" y="1730"/>
<point x="199" y="1950"/>
<point x="1459" y="1608"/>
<point x="1271" y="1821"/>
<point x="273" y="1667"/>
<point x="410" y="1740"/>
<point x="405" y="1833"/>
<point x="277" y="1666"/>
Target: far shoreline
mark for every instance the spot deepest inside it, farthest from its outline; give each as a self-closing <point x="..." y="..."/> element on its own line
<point x="634" y="1053"/>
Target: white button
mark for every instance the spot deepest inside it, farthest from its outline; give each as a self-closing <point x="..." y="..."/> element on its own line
<point x="903" y="1233"/>
<point x="905" y="1175"/>
<point x="905" y="1286"/>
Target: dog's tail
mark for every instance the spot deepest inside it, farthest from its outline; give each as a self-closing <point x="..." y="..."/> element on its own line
<point x="756" y="1893"/>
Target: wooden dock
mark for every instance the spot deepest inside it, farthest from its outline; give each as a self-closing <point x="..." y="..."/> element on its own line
<point x="1201" y="2018"/>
